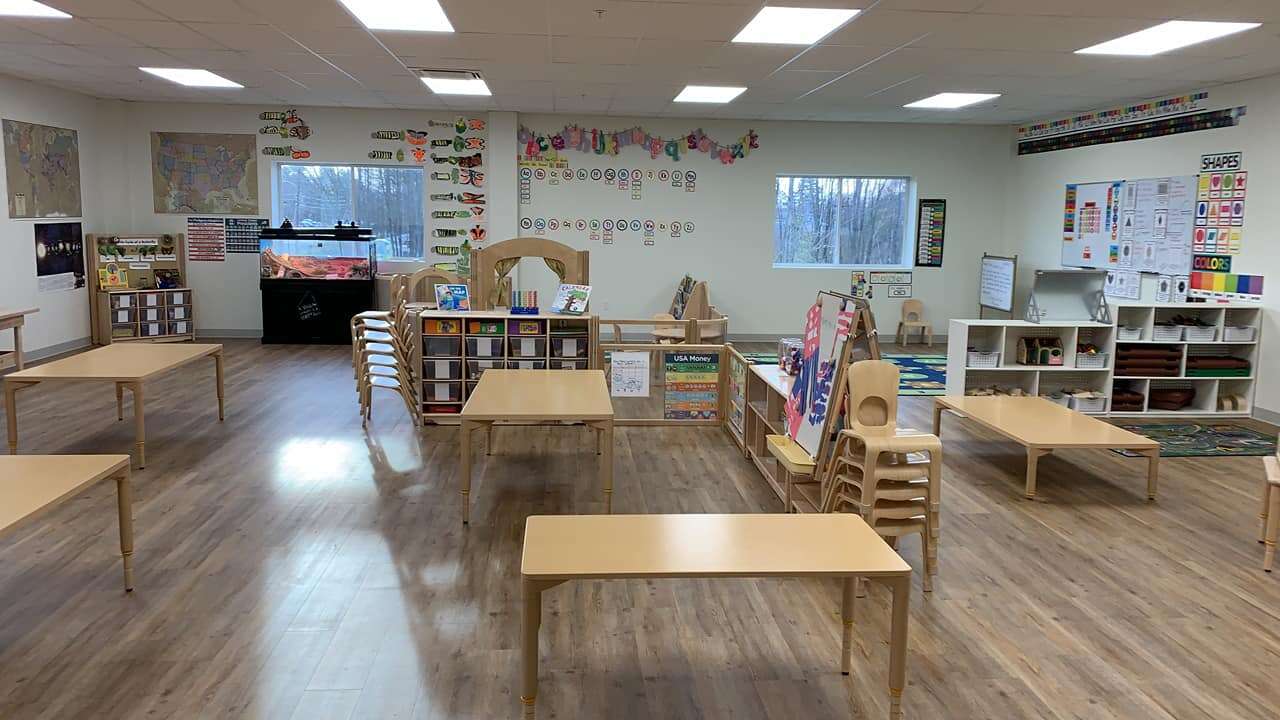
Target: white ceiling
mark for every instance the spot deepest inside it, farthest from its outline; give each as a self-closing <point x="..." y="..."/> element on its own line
<point x="563" y="56"/>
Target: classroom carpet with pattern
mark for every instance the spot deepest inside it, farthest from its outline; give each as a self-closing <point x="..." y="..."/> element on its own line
<point x="1193" y="439"/>
<point x="920" y="374"/>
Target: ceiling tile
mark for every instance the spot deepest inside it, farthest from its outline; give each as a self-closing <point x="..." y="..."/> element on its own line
<point x="159" y="34"/>
<point x="104" y="9"/>
<point x="245" y="37"/>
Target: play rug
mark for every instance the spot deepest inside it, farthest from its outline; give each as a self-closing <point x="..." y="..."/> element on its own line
<point x="920" y="374"/>
<point x="1193" y="439"/>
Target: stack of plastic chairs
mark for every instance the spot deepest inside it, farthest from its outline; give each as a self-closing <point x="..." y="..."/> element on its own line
<point x="891" y="476"/>
<point x="381" y="353"/>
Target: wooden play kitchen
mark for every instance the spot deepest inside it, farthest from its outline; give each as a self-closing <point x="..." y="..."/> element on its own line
<point x="31" y="485"/>
<point x="128" y="366"/>
<point x="558" y="549"/>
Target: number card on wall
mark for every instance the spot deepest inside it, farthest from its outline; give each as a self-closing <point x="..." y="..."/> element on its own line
<point x="931" y="227"/>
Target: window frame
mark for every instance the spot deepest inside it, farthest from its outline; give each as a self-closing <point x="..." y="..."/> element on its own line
<point x="278" y="168"/>
<point x="907" y="261"/>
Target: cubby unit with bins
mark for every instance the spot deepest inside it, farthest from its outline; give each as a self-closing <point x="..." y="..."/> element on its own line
<point x="456" y="348"/>
<point x="984" y="355"/>
<point x="145" y="315"/>
<point x="1216" y="357"/>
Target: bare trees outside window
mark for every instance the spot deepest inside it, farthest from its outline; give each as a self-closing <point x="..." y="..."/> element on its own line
<point x="387" y="199"/>
<point x="845" y="221"/>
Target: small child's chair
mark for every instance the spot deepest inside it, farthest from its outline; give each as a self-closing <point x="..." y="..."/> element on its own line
<point x="1270" y="509"/>
<point x="913" y="319"/>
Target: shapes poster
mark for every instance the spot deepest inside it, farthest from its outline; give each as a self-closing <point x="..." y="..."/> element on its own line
<point x="1220" y="206"/>
<point x="42" y="170"/>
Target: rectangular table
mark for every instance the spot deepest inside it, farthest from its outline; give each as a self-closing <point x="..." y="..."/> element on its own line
<point x="827" y="545"/>
<point x="537" y="396"/>
<point x="1042" y="427"/>
<point x="127" y="365"/>
<point x="14" y="320"/>
<point x="33" y="484"/>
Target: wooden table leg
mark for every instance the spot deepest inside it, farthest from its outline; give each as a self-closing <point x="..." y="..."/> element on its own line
<point x="898" y="645"/>
<point x="11" y="414"/>
<point x="1153" y="472"/>
<point x="124" y="496"/>
<point x="464" y="443"/>
<point x="138" y="424"/>
<point x="846" y="617"/>
<point x="488" y="439"/>
<point x="19" y="363"/>
<point x="937" y="418"/>
<point x="1033" y="459"/>
<point x="529" y="648"/>
<point x="119" y="401"/>
<point x="606" y="463"/>
<point x="217" y="369"/>
<point x="1273" y="529"/>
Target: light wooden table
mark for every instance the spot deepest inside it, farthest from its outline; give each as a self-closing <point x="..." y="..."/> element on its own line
<point x="14" y="320"/>
<point x="127" y="365"/>
<point x="33" y="484"/>
<point x="595" y="547"/>
<point x="525" y="397"/>
<point x="1042" y="427"/>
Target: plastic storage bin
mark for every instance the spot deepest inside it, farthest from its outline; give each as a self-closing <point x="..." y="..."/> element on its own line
<point x="1095" y="361"/>
<point x="178" y="312"/>
<point x="151" y="314"/>
<point x="569" y="347"/>
<point x="151" y="299"/>
<point x="441" y="346"/>
<point x="983" y="359"/>
<point x="180" y="327"/>
<point x="484" y="347"/>
<point x="476" y="368"/>
<point x="1238" y="333"/>
<point x="122" y="300"/>
<point x="1166" y="333"/>
<point x="126" y="330"/>
<point x="123" y="316"/>
<point x="527" y="347"/>
<point x="527" y="365"/>
<point x="441" y="326"/>
<point x="177" y="297"/>
<point x="153" y="329"/>
<point x="442" y="391"/>
<point x="1129" y="332"/>
<point x="442" y="369"/>
<point x="1194" y="333"/>
<point x="568" y="364"/>
<point x="1087" y="404"/>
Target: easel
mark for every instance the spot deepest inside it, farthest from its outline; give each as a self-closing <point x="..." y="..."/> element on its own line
<point x="862" y="343"/>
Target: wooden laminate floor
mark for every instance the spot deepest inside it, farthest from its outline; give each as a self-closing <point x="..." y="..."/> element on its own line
<point x="291" y="566"/>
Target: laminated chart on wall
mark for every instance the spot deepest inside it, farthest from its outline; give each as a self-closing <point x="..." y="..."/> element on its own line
<point x="242" y="234"/>
<point x="1219" y="213"/>
<point x="1156" y="224"/>
<point x="692" y="386"/>
<point x="1091" y="225"/>
<point x="206" y="239"/>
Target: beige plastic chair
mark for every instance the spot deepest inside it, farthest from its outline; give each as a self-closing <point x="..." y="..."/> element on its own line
<point x="381" y="347"/>
<point x="891" y="476"/>
<point x="913" y="319"/>
<point x="1270" y="509"/>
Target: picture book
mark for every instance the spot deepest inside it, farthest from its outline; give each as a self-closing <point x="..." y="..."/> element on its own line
<point x="453" y="297"/>
<point x="571" y="299"/>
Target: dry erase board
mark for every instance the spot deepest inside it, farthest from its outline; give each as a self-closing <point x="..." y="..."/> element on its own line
<point x="995" y="288"/>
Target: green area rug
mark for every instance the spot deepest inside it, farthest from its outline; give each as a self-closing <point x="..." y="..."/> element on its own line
<point x="1208" y="439"/>
<point x="920" y="374"/>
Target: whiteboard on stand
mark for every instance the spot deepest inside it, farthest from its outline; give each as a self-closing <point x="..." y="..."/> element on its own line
<point x="996" y="282"/>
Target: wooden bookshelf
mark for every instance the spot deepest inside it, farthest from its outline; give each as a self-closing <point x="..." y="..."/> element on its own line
<point x="455" y="348"/>
<point x="140" y="311"/>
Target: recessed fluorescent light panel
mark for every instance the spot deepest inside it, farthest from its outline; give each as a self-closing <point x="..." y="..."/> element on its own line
<point x="457" y="86"/>
<point x="398" y="15"/>
<point x="708" y="94"/>
<point x="952" y="100"/>
<point x="29" y="8"/>
<point x="1167" y="36"/>
<point x="793" y="26"/>
<point x="192" y="77"/>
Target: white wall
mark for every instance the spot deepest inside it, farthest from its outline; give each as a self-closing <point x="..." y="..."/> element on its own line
<point x="1036" y="192"/>
<point x="63" y="320"/>
<point x="734" y="249"/>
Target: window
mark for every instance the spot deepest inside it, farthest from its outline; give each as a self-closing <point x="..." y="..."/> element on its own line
<point x="387" y="199"/>
<point x="842" y="221"/>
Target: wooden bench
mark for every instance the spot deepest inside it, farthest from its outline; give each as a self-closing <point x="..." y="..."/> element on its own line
<point x="595" y="547"/>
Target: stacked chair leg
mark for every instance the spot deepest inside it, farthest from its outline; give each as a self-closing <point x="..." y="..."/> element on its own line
<point x="381" y="353"/>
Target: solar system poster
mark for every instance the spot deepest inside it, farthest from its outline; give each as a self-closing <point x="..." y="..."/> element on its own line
<point x="59" y="250"/>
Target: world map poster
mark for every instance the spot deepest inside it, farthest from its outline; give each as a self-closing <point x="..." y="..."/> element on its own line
<point x="42" y="167"/>
<point x="197" y="173"/>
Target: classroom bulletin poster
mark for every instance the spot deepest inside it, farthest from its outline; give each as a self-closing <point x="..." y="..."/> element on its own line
<point x="692" y="386"/>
